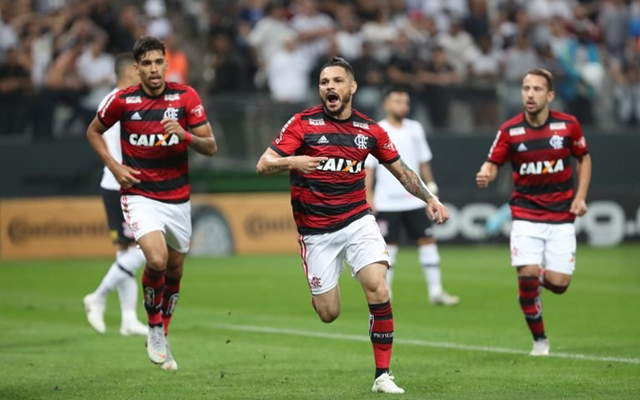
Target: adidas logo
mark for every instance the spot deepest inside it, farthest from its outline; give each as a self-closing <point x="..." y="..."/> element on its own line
<point x="136" y="117"/>
<point x="323" y="140"/>
<point x="522" y="147"/>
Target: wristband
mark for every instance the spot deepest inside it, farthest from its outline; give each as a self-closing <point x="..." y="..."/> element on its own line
<point x="188" y="137"/>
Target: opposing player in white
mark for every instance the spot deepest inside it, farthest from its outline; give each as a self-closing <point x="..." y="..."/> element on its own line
<point x="129" y="258"/>
<point x="395" y="208"/>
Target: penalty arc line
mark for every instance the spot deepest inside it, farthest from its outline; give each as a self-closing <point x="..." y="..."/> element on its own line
<point x="414" y="342"/>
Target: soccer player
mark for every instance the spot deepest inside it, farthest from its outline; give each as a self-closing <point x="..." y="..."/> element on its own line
<point x="122" y="274"/>
<point x="324" y="149"/>
<point x="539" y="144"/>
<point x="155" y="117"/>
<point x="395" y="208"/>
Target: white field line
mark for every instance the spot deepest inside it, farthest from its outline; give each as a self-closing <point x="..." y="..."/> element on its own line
<point x="414" y="342"/>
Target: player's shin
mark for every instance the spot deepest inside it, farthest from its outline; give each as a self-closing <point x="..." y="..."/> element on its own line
<point x="381" y="334"/>
<point x="531" y="305"/>
<point x="153" y="283"/>
<point x="169" y="301"/>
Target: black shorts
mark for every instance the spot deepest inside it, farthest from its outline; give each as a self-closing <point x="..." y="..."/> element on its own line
<point x="118" y="229"/>
<point x="416" y="222"/>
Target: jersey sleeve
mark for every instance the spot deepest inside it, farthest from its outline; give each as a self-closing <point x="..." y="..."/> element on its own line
<point x="290" y="137"/>
<point x="111" y="110"/>
<point x="385" y="151"/>
<point x="424" y="151"/>
<point x="499" y="152"/>
<point x="194" y="110"/>
<point x="578" y="142"/>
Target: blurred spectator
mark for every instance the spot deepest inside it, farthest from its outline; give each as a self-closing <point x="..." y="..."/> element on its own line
<point x="381" y="33"/>
<point x="15" y="90"/>
<point x="518" y="60"/>
<point x="252" y="11"/>
<point x="371" y="78"/>
<point x="268" y="37"/>
<point x="546" y="9"/>
<point x="177" y="60"/>
<point x="349" y="38"/>
<point x="477" y="22"/>
<point x="626" y="89"/>
<point x="8" y="36"/>
<point x="457" y="43"/>
<point x="439" y="79"/>
<point x="583" y="75"/>
<point x="444" y="11"/>
<point x="129" y="29"/>
<point x="314" y="30"/>
<point x="484" y="68"/>
<point x="230" y="71"/>
<point x="96" y="69"/>
<point x="615" y="22"/>
<point x="288" y="73"/>
<point x="158" y="25"/>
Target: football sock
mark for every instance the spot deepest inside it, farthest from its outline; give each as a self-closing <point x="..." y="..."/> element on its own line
<point x="381" y="334"/>
<point x="430" y="261"/>
<point x="393" y="254"/>
<point x="131" y="259"/>
<point x="153" y="287"/>
<point x="531" y="305"/>
<point x="169" y="301"/>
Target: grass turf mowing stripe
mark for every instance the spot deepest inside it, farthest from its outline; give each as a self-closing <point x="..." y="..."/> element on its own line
<point x="414" y="342"/>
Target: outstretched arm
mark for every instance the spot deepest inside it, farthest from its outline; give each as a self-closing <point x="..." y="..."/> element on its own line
<point x="414" y="185"/>
<point x="273" y="163"/>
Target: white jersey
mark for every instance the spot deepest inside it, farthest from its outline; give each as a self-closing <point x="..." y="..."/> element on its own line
<point x="412" y="146"/>
<point x="112" y="138"/>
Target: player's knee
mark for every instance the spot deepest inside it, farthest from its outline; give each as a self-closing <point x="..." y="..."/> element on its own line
<point x="157" y="262"/>
<point x="328" y="315"/>
<point x="379" y="293"/>
<point x="175" y="271"/>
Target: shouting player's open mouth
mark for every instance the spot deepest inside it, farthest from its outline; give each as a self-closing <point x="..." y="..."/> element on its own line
<point x="332" y="99"/>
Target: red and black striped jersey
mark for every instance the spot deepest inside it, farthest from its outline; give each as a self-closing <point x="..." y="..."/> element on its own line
<point x="161" y="158"/>
<point x="334" y="195"/>
<point x="541" y="162"/>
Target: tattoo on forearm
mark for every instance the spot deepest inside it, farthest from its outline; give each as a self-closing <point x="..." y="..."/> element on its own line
<point x="276" y="168"/>
<point x="413" y="184"/>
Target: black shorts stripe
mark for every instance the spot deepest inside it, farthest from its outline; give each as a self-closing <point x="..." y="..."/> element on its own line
<point x="538" y="144"/>
<point x="324" y="210"/>
<point x="559" y="206"/>
<point x="339" y="139"/>
<point x="329" y="188"/>
<point x="545" y="189"/>
<point x="154" y="114"/>
<point x="163" y="186"/>
<point x="154" y="163"/>
<point x="309" y="230"/>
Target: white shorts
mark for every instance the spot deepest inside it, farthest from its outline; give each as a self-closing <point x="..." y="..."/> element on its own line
<point x="323" y="256"/>
<point x="537" y="243"/>
<point x="146" y="215"/>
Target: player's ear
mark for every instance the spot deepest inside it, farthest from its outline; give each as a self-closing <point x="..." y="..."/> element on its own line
<point x="354" y="87"/>
<point x="550" y="96"/>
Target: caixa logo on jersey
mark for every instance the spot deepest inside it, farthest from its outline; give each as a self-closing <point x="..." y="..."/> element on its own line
<point x="541" y="167"/>
<point x="341" y="165"/>
<point x="155" y="139"/>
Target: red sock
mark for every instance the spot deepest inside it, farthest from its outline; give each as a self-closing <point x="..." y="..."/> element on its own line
<point x="169" y="301"/>
<point x="153" y="288"/>
<point x="531" y="305"/>
<point x="381" y="334"/>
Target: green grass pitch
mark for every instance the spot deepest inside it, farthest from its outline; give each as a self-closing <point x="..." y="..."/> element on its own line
<point x="244" y="329"/>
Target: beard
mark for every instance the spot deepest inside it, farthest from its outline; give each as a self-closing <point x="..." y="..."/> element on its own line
<point x="344" y="102"/>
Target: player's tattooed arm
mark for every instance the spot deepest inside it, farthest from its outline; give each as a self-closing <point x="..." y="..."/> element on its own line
<point x="410" y="180"/>
<point x="414" y="185"/>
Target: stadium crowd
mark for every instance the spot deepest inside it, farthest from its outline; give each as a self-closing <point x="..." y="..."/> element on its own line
<point x="456" y="57"/>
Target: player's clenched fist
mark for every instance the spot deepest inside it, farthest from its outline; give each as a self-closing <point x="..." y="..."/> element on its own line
<point x="437" y="211"/>
<point x="172" y="126"/>
<point x="306" y="164"/>
<point x="125" y="175"/>
<point x="482" y="179"/>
